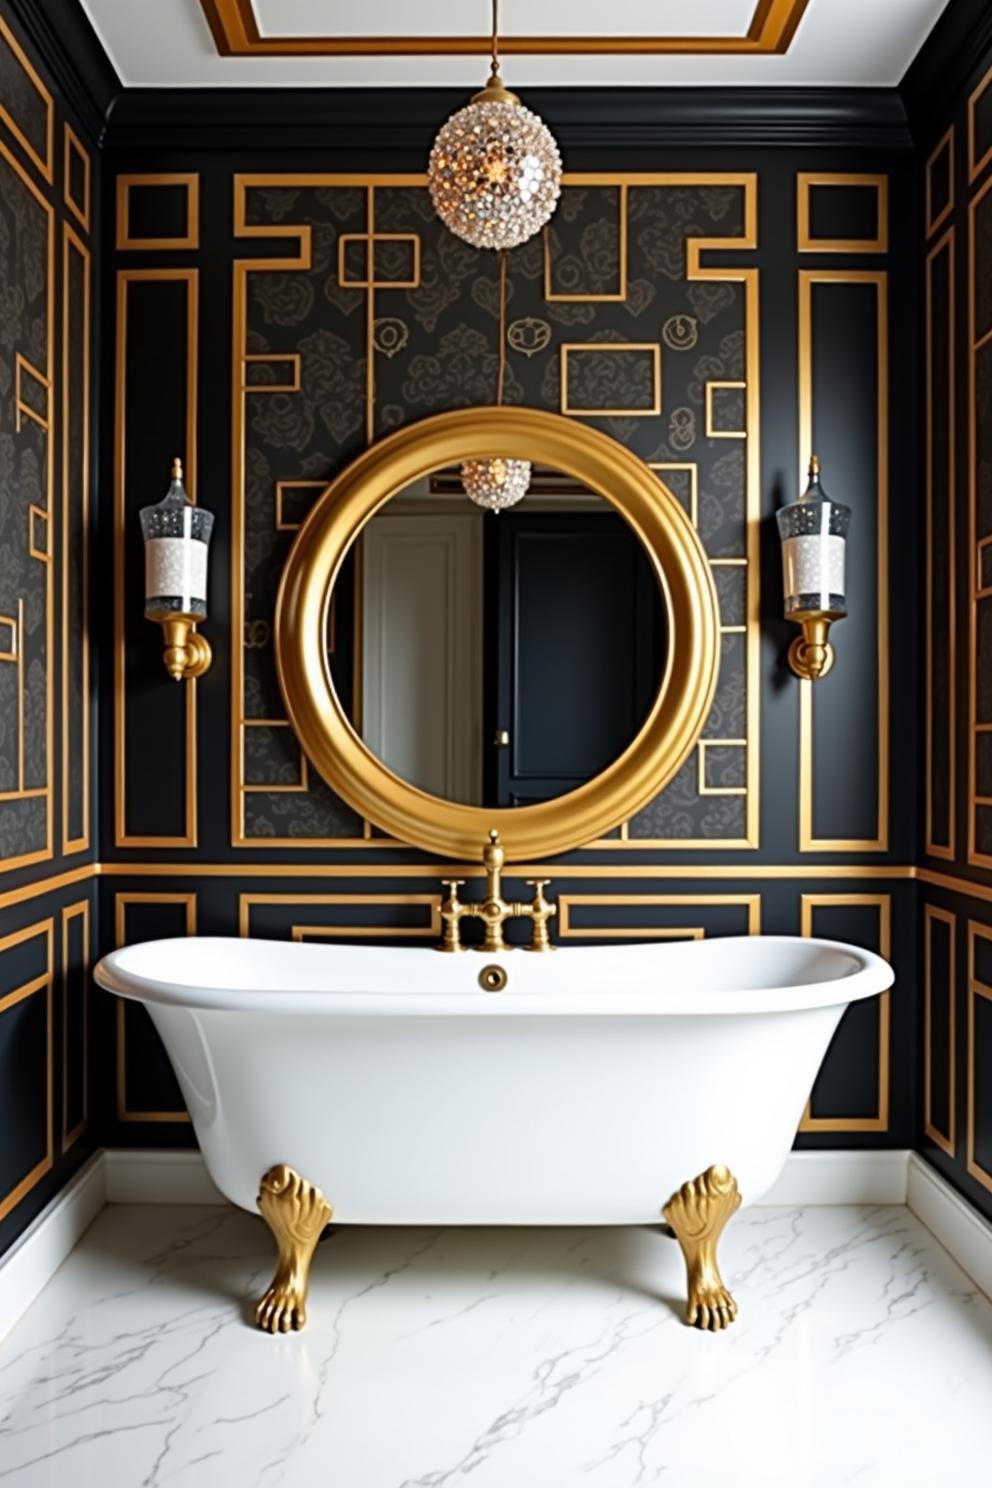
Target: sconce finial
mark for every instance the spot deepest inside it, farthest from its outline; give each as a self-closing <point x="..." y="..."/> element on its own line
<point x="177" y="469"/>
<point x="814" y="465"/>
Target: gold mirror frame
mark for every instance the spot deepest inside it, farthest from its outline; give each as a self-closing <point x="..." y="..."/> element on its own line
<point x="676" y="554"/>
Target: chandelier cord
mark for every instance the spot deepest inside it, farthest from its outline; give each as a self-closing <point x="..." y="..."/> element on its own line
<point x="494" y="44"/>
<point x="501" y="372"/>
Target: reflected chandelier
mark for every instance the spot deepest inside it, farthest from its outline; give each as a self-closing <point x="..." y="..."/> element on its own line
<point x="494" y="172"/>
<point x="497" y="481"/>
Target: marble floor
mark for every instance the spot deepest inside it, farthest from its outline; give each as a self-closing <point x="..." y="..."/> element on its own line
<point x="501" y="1359"/>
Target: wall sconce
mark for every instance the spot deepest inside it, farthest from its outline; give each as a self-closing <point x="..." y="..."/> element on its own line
<point x="177" y="539"/>
<point x="813" y="531"/>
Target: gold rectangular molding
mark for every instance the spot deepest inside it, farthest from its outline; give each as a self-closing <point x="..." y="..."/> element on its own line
<point x="299" y="931"/>
<point x="292" y="385"/>
<point x="711" y="431"/>
<point x="298" y="256"/>
<point x="236" y="33"/>
<point x="808" y="842"/>
<point x="190" y="238"/>
<point x="553" y="296"/>
<point x="75" y="488"/>
<point x="187" y="693"/>
<point x="370" y="240"/>
<point x="567" y="903"/>
<point x="933" y="846"/>
<point x="42" y="983"/>
<point x="975" y="167"/>
<point x="45" y="164"/>
<point x="977" y="340"/>
<point x="298" y="787"/>
<point x="556" y="871"/>
<point x="808" y="181"/>
<point x="692" y="468"/>
<point x="73" y="146"/>
<point x="293" y="485"/>
<point x="70" y="912"/>
<point x="40" y="854"/>
<point x="704" y="788"/>
<point x="932" y="218"/>
<point x="944" y="1140"/>
<point x="22" y="408"/>
<point x="883" y="903"/>
<point x="976" y="989"/>
<point x="651" y="349"/>
<point x="121" y="903"/>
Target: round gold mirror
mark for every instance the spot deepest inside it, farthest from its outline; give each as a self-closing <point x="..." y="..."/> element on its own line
<point x="316" y="573"/>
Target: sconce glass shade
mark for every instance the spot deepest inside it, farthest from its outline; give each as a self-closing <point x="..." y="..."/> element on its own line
<point x="813" y="532"/>
<point x="177" y="539"/>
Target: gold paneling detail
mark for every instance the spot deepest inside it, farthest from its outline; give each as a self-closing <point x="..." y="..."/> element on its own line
<point x="121" y="902"/>
<point x="975" y="167"/>
<point x="703" y="788"/>
<point x="931" y="913"/>
<point x="125" y="278"/>
<point x="883" y="903"/>
<point x="23" y="409"/>
<point x="37" y="984"/>
<point x="299" y="246"/>
<point x="295" y="485"/>
<point x="189" y="239"/>
<point x="370" y="239"/>
<point x="807" y="181"/>
<point x="236" y="33"/>
<point x="293" y="358"/>
<point x="71" y="242"/>
<point x="45" y="164"/>
<point x="975" y="342"/>
<point x="592" y="348"/>
<point x="976" y="988"/>
<point x="879" y="278"/>
<point x="711" y="432"/>
<point x="299" y="787"/>
<point x="70" y="912"/>
<point x="73" y="145"/>
<point x="933" y="222"/>
<point x="553" y="296"/>
<point x="568" y="902"/>
<point x="37" y="855"/>
<point x="947" y="313"/>
<point x="430" y="931"/>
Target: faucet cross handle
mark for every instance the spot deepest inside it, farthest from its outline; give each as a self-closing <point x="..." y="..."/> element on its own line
<point x="451" y="912"/>
<point x="540" y="910"/>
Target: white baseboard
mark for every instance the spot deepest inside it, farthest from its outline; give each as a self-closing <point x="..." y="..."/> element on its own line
<point x="137" y="1176"/>
<point x="832" y="1177"/>
<point x="959" y="1228"/>
<point x="35" y="1256"/>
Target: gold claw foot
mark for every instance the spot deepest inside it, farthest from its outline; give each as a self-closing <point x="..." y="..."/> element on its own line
<point x="296" y="1213"/>
<point x="697" y="1214"/>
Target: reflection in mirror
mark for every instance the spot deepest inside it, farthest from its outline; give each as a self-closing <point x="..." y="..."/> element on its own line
<point x="496" y="660"/>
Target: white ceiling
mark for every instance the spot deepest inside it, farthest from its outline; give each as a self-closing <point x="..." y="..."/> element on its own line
<point x="167" y="43"/>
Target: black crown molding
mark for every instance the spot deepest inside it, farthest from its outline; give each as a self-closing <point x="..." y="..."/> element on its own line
<point x="70" y="50"/>
<point x="959" y="43"/>
<point x="588" y="120"/>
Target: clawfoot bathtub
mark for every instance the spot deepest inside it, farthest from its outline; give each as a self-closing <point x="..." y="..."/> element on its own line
<point x="597" y="1086"/>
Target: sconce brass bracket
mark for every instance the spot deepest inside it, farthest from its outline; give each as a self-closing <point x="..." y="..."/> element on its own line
<point x="187" y="653"/>
<point x="811" y="655"/>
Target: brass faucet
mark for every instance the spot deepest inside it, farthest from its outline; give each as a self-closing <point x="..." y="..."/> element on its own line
<point x="494" y="909"/>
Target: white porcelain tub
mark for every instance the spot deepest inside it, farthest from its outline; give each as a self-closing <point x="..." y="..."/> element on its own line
<point x="586" y="1092"/>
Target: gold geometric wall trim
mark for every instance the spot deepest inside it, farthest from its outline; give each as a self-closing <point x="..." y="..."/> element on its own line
<point x="977" y="165"/>
<point x="942" y="844"/>
<point x="41" y="983"/>
<point x="808" y="278"/>
<point x="977" y="989"/>
<point x="568" y="904"/>
<point x="809" y="181"/>
<point x="44" y="159"/>
<point x="75" y="560"/>
<point x="944" y="1140"/>
<point x="236" y="33"/>
<point x="121" y="903"/>
<point x="300" y="930"/>
<point x="880" y="1122"/>
<point x="70" y="912"/>
<point x="73" y="147"/>
<point x="936" y="211"/>
<point x="979" y="592"/>
<point x="189" y="238"/>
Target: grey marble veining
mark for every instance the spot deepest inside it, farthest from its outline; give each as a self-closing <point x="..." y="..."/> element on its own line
<point x="491" y="1358"/>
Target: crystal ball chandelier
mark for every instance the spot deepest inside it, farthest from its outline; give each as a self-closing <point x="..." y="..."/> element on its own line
<point x="496" y="483"/>
<point x="495" y="171"/>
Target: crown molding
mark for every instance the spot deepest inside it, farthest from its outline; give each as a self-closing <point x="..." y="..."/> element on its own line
<point x="958" y="47"/>
<point x="593" y="121"/>
<point x="73" y="55"/>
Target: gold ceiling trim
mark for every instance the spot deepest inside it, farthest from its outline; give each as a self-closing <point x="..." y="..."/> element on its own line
<point x="236" y="33"/>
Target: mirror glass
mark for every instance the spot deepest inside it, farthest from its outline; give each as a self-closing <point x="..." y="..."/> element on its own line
<point x="496" y="659"/>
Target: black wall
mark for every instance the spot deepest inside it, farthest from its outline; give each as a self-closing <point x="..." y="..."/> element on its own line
<point x="956" y="892"/>
<point x="49" y="210"/>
